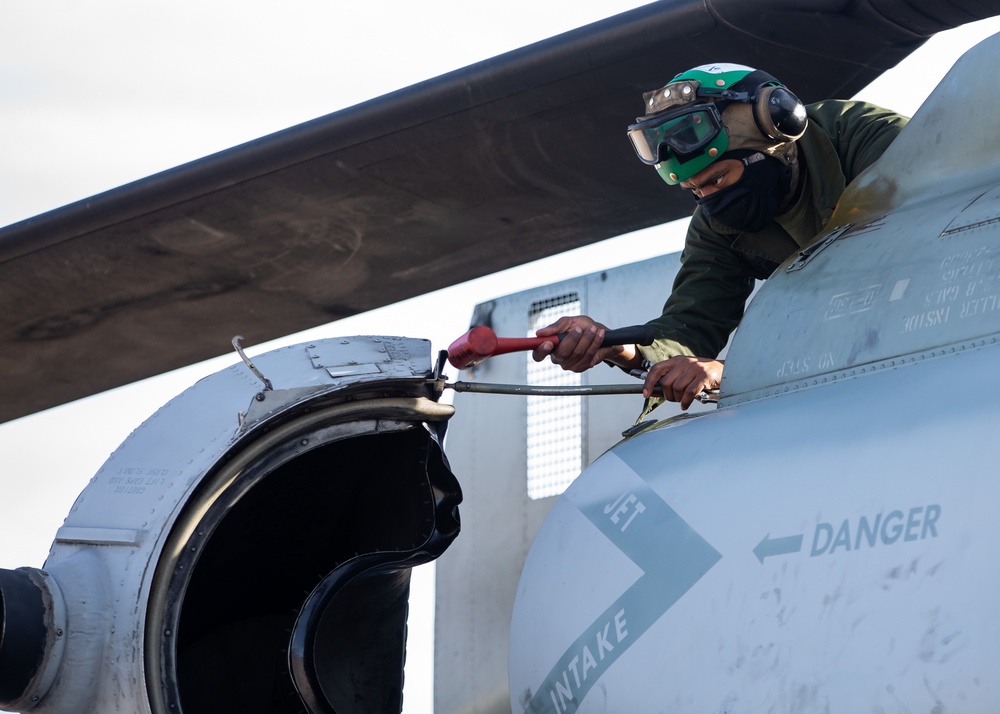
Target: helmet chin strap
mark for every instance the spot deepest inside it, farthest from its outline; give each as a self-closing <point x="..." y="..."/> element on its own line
<point x="789" y="155"/>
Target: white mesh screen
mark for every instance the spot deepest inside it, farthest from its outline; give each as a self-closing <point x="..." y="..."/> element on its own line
<point x="555" y="424"/>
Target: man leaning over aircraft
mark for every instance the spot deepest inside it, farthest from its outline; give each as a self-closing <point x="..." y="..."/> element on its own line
<point x="766" y="172"/>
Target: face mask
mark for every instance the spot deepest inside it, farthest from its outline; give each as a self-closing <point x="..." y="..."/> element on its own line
<point x="753" y="201"/>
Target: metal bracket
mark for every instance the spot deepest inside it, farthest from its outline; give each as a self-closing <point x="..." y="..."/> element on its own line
<point x="440" y="380"/>
<point x="246" y="360"/>
<point x="636" y="428"/>
<point x="811" y="251"/>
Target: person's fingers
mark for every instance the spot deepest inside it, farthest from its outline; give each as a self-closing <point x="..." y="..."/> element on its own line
<point x="567" y="346"/>
<point x="589" y="348"/>
<point x="654" y="377"/>
<point x="579" y="346"/>
<point x="694" y="382"/>
<point x="682" y="379"/>
<point x="542" y="351"/>
<point x="563" y="324"/>
<point x="577" y="354"/>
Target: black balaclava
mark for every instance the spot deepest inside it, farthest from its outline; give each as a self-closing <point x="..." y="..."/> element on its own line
<point x="754" y="200"/>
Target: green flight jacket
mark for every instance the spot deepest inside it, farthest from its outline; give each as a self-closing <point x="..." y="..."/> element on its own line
<point x="719" y="264"/>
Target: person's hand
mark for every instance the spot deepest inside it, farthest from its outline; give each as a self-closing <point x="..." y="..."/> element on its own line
<point x="683" y="378"/>
<point x="581" y="348"/>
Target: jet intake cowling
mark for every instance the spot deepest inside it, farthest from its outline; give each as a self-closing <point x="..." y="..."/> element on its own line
<point x="246" y="549"/>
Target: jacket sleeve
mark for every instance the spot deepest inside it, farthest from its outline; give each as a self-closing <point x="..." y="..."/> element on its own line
<point x="860" y="132"/>
<point x="707" y="300"/>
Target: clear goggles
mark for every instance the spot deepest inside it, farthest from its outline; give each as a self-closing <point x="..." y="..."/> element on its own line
<point x="687" y="132"/>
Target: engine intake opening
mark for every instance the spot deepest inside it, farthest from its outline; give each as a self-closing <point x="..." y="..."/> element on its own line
<point x="346" y="653"/>
<point x="23" y="634"/>
<point x="290" y="521"/>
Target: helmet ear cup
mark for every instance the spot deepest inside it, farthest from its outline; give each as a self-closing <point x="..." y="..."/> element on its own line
<point x="779" y="114"/>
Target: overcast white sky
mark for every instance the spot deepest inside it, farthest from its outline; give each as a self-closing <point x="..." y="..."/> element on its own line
<point x="97" y="94"/>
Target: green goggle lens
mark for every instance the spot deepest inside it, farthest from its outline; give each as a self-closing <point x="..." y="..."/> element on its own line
<point x="686" y="133"/>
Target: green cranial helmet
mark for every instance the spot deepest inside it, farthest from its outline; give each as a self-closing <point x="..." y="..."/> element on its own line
<point x="683" y="130"/>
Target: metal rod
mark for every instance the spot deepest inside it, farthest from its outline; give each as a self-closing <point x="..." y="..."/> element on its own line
<point x="565" y="391"/>
<point x="524" y="389"/>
